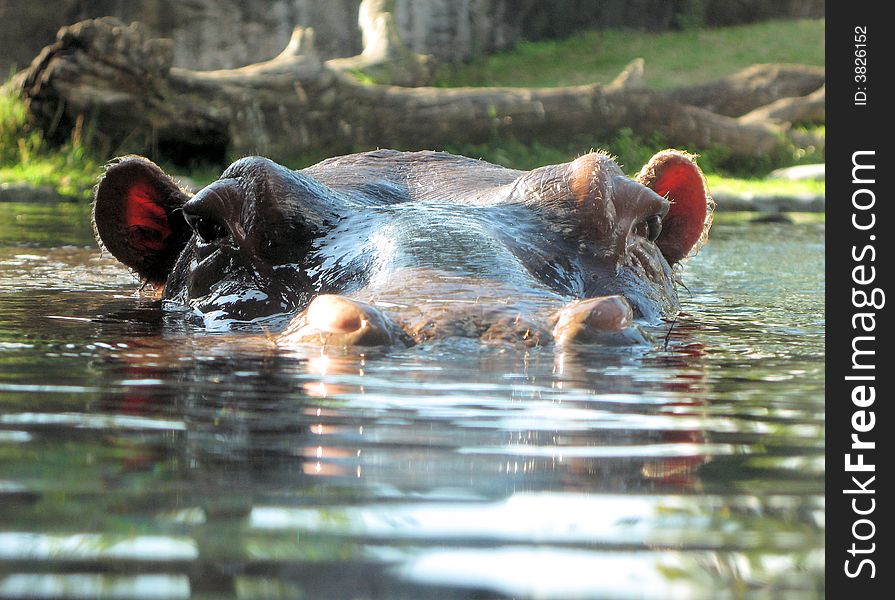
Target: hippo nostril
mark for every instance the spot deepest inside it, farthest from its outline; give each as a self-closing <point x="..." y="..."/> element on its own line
<point x="207" y="229"/>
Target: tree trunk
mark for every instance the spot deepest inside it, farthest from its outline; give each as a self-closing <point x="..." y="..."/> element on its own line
<point x="121" y="86"/>
<point x="384" y="56"/>
<point x="752" y="88"/>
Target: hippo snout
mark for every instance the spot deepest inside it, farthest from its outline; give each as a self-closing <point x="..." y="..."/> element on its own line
<point x="391" y="247"/>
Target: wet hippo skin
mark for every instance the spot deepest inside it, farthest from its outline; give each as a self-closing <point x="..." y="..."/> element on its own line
<point x="390" y="247"/>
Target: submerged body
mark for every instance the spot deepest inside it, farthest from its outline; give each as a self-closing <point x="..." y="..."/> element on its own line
<point x="386" y="247"/>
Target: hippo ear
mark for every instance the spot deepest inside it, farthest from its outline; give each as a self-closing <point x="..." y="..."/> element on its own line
<point x="136" y="217"/>
<point x="674" y="175"/>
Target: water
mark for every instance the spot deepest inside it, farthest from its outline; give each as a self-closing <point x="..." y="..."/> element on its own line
<point x="142" y="458"/>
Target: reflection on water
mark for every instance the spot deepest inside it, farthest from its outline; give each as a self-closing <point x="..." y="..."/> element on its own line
<point x="140" y="457"/>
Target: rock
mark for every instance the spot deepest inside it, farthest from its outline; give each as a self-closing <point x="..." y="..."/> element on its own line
<point x="26" y="192"/>
<point x="206" y="34"/>
<point x="224" y="34"/>
<point x="779" y="217"/>
<point x="801" y="172"/>
<point x="726" y="202"/>
<point x="725" y="12"/>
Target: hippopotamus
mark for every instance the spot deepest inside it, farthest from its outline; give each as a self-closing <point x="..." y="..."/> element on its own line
<point x="388" y="247"/>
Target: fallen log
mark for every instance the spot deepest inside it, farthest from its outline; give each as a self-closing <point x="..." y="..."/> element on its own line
<point x="121" y="86"/>
<point x="752" y="88"/>
<point x="792" y="110"/>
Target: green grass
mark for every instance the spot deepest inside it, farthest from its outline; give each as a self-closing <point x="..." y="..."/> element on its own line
<point x="629" y="151"/>
<point x="745" y="216"/>
<point x="68" y="176"/>
<point x="673" y="59"/>
<point x="764" y="187"/>
<point x="26" y="157"/>
<point x="632" y="152"/>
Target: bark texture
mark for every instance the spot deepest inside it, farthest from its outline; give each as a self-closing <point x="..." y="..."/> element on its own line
<point x="119" y="84"/>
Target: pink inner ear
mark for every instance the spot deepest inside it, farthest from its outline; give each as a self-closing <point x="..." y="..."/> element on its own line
<point x="679" y="180"/>
<point x="145" y="217"/>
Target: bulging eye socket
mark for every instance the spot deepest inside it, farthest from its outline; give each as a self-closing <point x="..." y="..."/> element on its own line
<point x="654" y="227"/>
<point x="650" y="228"/>
<point x="207" y="230"/>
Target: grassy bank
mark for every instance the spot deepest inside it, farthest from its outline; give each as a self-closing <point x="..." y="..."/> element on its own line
<point x="672" y="59"/>
<point x="764" y="187"/>
<point x="26" y="157"/>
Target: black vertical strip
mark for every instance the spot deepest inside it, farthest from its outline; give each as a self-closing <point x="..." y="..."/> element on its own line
<point x="860" y="258"/>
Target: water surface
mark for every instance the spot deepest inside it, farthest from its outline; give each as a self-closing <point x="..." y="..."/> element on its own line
<point x="142" y="457"/>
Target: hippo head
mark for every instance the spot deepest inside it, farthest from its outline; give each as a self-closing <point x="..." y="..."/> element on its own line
<point x="397" y="242"/>
<point x="236" y="250"/>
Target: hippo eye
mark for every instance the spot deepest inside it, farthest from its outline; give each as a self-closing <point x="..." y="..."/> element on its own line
<point x="650" y="228"/>
<point x="654" y="227"/>
<point x="207" y="229"/>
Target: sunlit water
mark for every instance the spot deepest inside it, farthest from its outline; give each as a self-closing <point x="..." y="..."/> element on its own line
<point x="141" y="458"/>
